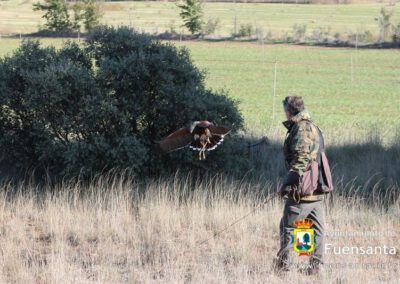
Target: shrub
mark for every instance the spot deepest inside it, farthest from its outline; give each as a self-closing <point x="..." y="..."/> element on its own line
<point x="246" y="30"/>
<point x="299" y="31"/>
<point x="360" y="37"/>
<point x="54" y="116"/>
<point x="396" y="33"/>
<point x="56" y="15"/>
<point x="384" y="23"/>
<point x="211" y="26"/>
<point x="103" y="106"/>
<point x="192" y="15"/>
<point x="172" y="28"/>
<point x="58" y="18"/>
<point x="88" y="13"/>
<point x="321" y="34"/>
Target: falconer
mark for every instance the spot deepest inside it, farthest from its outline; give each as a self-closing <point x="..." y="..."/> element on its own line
<point x="301" y="147"/>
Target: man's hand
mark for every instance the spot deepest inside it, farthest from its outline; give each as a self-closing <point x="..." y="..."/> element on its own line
<point x="284" y="190"/>
<point x="292" y="180"/>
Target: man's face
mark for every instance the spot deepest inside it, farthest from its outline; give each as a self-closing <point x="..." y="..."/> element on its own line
<point x="287" y="113"/>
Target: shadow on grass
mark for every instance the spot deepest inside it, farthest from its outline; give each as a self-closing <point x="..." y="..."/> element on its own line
<point x="368" y="169"/>
<point x="202" y="38"/>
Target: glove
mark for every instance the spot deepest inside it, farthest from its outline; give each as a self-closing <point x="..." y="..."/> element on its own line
<point x="284" y="190"/>
<point x="292" y="180"/>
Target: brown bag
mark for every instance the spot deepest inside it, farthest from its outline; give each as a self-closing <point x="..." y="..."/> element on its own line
<point x="325" y="183"/>
<point x="309" y="180"/>
<point x="317" y="177"/>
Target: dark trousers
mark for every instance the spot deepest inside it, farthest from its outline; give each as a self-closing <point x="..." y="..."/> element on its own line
<point x="304" y="210"/>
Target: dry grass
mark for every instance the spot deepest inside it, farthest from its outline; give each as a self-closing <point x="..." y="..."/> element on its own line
<point x="116" y="230"/>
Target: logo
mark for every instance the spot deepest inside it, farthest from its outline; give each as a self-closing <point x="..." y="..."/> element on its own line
<point x="303" y="237"/>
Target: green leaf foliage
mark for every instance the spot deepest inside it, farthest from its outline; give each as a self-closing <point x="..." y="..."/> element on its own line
<point x="104" y="105"/>
<point x="192" y="15"/>
<point x="56" y="15"/>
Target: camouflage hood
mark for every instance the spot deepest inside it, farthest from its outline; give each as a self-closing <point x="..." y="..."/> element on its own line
<point x="303" y="115"/>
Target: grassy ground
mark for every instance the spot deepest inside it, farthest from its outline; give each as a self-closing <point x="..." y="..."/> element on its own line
<point x="340" y="86"/>
<point x="344" y="88"/>
<point x="355" y="88"/>
<point x="109" y="233"/>
<point x="16" y="16"/>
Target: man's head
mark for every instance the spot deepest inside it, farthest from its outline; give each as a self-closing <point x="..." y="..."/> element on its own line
<point x="293" y="105"/>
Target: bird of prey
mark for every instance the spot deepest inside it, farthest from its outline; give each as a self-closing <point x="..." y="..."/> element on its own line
<point x="198" y="136"/>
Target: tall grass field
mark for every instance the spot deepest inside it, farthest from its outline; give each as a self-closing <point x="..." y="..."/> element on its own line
<point x="117" y="231"/>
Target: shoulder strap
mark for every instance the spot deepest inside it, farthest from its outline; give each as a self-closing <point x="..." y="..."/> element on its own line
<point x="321" y="140"/>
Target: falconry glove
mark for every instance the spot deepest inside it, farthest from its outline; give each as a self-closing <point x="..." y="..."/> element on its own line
<point x="291" y="181"/>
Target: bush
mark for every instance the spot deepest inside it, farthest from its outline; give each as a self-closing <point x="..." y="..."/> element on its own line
<point x="102" y="106"/>
<point x="360" y="37"/>
<point x="54" y="115"/>
<point x="172" y="29"/>
<point x="192" y="15"/>
<point x="246" y="30"/>
<point x="56" y="15"/>
<point x="384" y="23"/>
<point x="58" y="18"/>
<point x="211" y="26"/>
<point x="88" y="13"/>
<point x="299" y="32"/>
<point x="321" y="34"/>
<point x="396" y="33"/>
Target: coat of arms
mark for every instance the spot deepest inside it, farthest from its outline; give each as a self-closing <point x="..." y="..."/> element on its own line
<point x="303" y="237"/>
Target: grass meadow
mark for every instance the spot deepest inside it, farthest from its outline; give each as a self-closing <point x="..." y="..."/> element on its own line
<point x="344" y="88"/>
<point x="118" y="231"/>
<point x="16" y="16"/>
<point x="122" y="229"/>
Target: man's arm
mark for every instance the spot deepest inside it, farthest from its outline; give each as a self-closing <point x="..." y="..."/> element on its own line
<point x="301" y="149"/>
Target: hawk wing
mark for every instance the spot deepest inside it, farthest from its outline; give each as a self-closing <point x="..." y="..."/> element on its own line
<point x="220" y="131"/>
<point x="176" y="140"/>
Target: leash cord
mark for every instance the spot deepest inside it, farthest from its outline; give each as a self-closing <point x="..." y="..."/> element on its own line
<point x="238" y="220"/>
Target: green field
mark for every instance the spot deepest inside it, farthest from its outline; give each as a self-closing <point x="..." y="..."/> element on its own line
<point x="16" y="16"/>
<point x="341" y="86"/>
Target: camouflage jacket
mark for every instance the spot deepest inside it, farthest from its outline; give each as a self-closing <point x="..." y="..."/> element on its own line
<point x="301" y="143"/>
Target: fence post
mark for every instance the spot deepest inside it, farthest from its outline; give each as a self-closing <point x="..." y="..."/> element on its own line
<point x="351" y="69"/>
<point x="235" y="20"/>
<point x="274" y="91"/>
